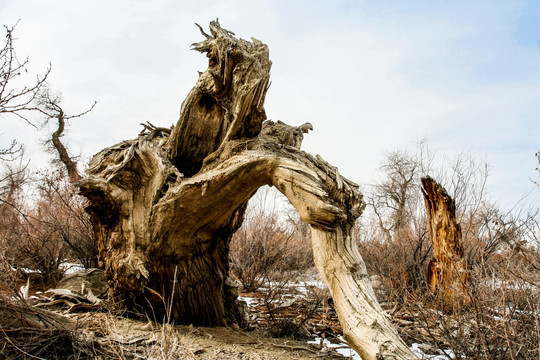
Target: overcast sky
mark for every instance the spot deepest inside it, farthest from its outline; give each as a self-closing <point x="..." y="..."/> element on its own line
<point x="370" y="76"/>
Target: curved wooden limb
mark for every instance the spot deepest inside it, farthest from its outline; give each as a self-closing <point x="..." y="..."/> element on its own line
<point x="366" y="327"/>
<point x="311" y="185"/>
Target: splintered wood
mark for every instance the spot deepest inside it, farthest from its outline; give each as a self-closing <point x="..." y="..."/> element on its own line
<point x="448" y="277"/>
<point x="165" y="205"/>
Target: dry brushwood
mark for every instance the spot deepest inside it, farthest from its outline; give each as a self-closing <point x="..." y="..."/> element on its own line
<point x="165" y="205"/>
<point x="27" y="332"/>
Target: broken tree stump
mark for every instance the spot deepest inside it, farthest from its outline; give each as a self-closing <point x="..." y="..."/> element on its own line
<point x="448" y="277"/>
<point x="165" y="205"/>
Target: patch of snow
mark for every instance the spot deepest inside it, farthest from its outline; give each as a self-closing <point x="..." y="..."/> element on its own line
<point x="26" y="270"/>
<point x="315" y="283"/>
<point x="496" y="283"/>
<point x="70" y="268"/>
<point x="341" y="348"/>
<point x="308" y="286"/>
<point x="23" y="291"/>
<point x="507" y="314"/>
<point x="249" y="300"/>
<point x="415" y="348"/>
<point x="344" y="349"/>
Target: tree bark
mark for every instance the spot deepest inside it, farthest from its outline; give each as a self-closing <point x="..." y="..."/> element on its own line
<point x="447" y="270"/>
<point x="165" y="205"/>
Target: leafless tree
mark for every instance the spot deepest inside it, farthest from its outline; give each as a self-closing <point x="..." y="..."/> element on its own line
<point x="392" y="197"/>
<point x="49" y="104"/>
<point x="31" y="238"/>
<point x="20" y="97"/>
<point x="397" y="206"/>
<point x="17" y="98"/>
<point x="396" y="203"/>
<point x="17" y="94"/>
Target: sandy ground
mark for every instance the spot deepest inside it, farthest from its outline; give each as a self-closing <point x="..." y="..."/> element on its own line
<point x="132" y="339"/>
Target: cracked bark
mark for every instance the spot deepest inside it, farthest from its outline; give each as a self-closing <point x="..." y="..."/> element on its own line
<point x="169" y="201"/>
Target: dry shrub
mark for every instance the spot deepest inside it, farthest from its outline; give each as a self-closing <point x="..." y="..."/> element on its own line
<point x="29" y="333"/>
<point x="61" y="211"/>
<point x="271" y="253"/>
<point x="42" y="225"/>
<point x="401" y="263"/>
<point x="502" y="320"/>
<point x="268" y="245"/>
<point x="499" y="317"/>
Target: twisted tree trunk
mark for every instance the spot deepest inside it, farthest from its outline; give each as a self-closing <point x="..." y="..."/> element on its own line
<point x="448" y="277"/>
<point x="165" y="205"/>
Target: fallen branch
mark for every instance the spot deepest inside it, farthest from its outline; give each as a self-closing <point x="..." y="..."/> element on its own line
<point x="290" y="347"/>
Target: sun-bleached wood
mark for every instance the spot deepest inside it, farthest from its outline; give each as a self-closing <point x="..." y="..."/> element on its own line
<point x="165" y="205"/>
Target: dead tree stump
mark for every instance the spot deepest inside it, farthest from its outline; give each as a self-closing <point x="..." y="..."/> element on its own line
<point x="448" y="277"/>
<point x="166" y="204"/>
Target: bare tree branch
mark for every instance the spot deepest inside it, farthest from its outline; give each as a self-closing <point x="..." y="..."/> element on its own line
<point x="17" y="100"/>
<point x="49" y="104"/>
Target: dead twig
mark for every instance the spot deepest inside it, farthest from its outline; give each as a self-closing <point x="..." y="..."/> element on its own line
<point x="291" y="347"/>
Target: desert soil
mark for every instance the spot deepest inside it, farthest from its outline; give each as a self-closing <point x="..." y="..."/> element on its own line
<point x="138" y="339"/>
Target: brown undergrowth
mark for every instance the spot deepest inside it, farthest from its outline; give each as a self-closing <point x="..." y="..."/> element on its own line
<point x="30" y="333"/>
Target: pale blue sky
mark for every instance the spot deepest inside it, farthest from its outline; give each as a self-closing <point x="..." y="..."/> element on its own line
<point x="370" y="76"/>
